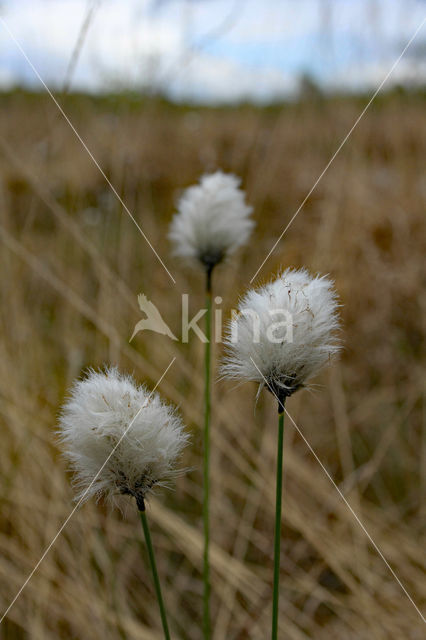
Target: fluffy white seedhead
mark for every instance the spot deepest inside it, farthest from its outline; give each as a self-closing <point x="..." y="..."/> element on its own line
<point x="284" y="332"/>
<point x="103" y="407"/>
<point x="212" y="220"/>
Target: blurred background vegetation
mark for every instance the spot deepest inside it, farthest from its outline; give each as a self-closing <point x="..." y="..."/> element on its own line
<point x="72" y="263"/>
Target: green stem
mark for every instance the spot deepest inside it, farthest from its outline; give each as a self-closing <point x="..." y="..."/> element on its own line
<point x="206" y="465"/>
<point x="277" y="540"/>
<point x="152" y="562"/>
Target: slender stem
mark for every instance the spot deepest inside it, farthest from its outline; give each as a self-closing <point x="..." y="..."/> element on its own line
<point x="277" y="540"/>
<point x="206" y="465"/>
<point x="155" y="573"/>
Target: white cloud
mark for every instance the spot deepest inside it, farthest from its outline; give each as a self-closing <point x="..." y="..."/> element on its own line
<point x="215" y="79"/>
<point x="117" y="39"/>
<point x="7" y="78"/>
<point x="256" y="50"/>
<point x="369" y="76"/>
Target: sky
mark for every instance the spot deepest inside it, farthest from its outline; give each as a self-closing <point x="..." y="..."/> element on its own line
<point x="211" y="50"/>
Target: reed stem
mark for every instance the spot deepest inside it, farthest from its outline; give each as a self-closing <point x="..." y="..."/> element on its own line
<point x="206" y="463"/>
<point x="152" y="562"/>
<point x="277" y="540"/>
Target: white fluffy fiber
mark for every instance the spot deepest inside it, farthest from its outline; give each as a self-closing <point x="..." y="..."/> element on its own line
<point x="288" y="361"/>
<point x="212" y="220"/>
<point x="100" y="409"/>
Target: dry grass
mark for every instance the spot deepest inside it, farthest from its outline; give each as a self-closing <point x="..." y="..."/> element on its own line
<point x="72" y="263"/>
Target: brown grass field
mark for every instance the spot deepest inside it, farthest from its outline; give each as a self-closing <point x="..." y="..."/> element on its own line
<point x="72" y="263"/>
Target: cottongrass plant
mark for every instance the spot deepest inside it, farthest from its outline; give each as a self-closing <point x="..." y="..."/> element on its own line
<point x="212" y="222"/>
<point x="283" y="334"/>
<point x="121" y="438"/>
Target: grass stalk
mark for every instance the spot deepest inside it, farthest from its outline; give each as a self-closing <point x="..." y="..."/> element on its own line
<point x="277" y="538"/>
<point x="153" y="564"/>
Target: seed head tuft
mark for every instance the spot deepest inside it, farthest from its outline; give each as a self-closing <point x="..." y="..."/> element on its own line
<point x="284" y="332"/>
<point x="212" y="221"/>
<point x="119" y="437"/>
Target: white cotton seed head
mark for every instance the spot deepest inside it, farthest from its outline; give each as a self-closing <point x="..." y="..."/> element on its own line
<point x="101" y="409"/>
<point x="284" y="332"/>
<point x="212" y="221"/>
